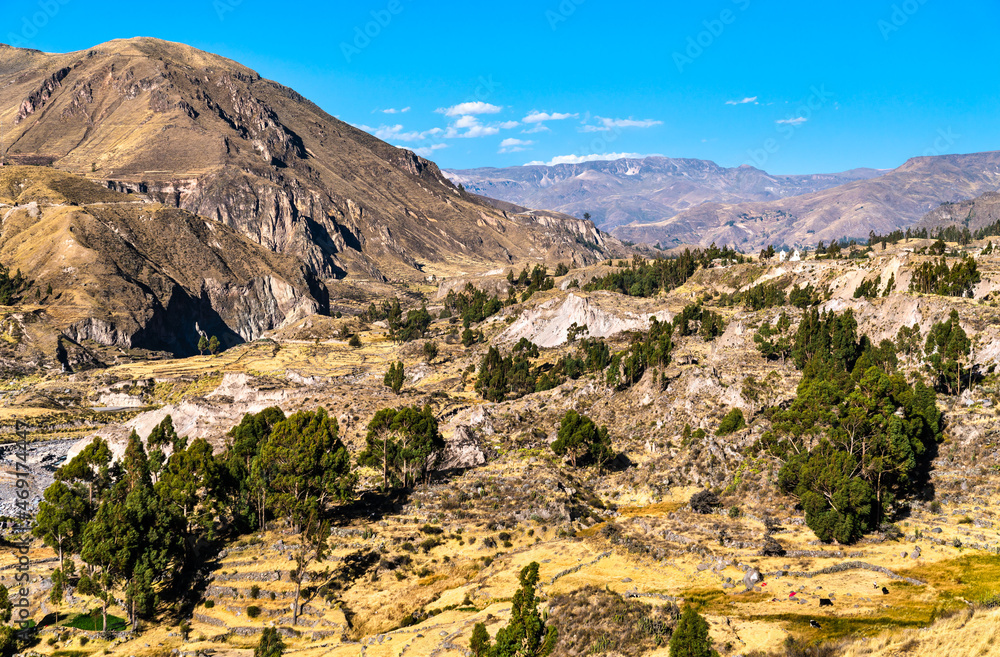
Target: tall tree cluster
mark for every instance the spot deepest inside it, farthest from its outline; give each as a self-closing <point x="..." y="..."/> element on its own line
<point x="642" y="278"/>
<point x="138" y="522"/>
<point x="399" y="443"/>
<point x="937" y="278"/>
<point x="858" y="436"/>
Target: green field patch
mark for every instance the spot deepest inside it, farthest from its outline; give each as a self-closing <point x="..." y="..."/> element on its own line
<point x="833" y="627"/>
<point x="94" y="622"/>
<point x="972" y="577"/>
<point x="717" y="601"/>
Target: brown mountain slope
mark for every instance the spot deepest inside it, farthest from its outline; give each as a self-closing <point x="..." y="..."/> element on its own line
<point x="201" y="132"/>
<point x="140" y="274"/>
<point x="974" y="213"/>
<point x="896" y="200"/>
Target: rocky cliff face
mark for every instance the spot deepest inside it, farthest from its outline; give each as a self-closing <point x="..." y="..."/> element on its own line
<point x="141" y="274"/>
<point x="210" y="136"/>
<point x="974" y="214"/>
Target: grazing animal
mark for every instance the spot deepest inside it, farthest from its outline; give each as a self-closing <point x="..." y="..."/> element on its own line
<point x="885" y="591"/>
<point x="814" y="624"/>
<point x="825" y="602"/>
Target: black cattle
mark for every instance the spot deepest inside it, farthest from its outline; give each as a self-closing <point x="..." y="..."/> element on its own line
<point x="825" y="602"/>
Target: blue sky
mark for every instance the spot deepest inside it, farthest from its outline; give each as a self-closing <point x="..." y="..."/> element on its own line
<point x="790" y="87"/>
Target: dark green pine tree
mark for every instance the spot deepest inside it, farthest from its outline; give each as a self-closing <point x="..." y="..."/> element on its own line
<point x="245" y="485"/>
<point x="394" y="377"/>
<point x="270" y="644"/>
<point x="399" y="442"/>
<point x="91" y="469"/>
<point x="308" y="466"/>
<point x="162" y="435"/>
<point x="480" y="642"/>
<point x="191" y="476"/>
<point x="579" y="437"/>
<point x="134" y="540"/>
<point x="946" y="348"/>
<point x="61" y="518"/>
<point x="526" y="635"/>
<point x="8" y="636"/>
<point x="690" y="638"/>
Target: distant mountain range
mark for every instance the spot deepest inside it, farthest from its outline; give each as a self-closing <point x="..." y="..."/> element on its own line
<point x="671" y="202"/>
<point x="617" y="192"/>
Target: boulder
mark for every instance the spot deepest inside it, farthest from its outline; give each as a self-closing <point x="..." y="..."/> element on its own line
<point x="461" y="452"/>
<point x="772" y="548"/>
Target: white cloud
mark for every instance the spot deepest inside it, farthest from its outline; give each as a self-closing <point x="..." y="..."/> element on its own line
<point x="512" y="145"/>
<point x="393" y="110"/>
<point x="471" y="131"/>
<point x="607" y="124"/>
<point x="426" y="151"/>
<point x="480" y="131"/>
<point x="507" y="125"/>
<point x="537" y="117"/>
<point x="541" y="127"/>
<point x="476" y="107"/>
<point x="466" y="122"/>
<point x="749" y="99"/>
<point x="799" y="120"/>
<point x="579" y="159"/>
<point x="398" y="133"/>
<point x="473" y="128"/>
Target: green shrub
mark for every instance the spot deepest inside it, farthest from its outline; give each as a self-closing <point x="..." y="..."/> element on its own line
<point x="690" y="638"/>
<point x="253" y="611"/>
<point x="731" y="423"/>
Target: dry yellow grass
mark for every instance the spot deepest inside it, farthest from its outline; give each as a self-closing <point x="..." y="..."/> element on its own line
<point x="967" y="633"/>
